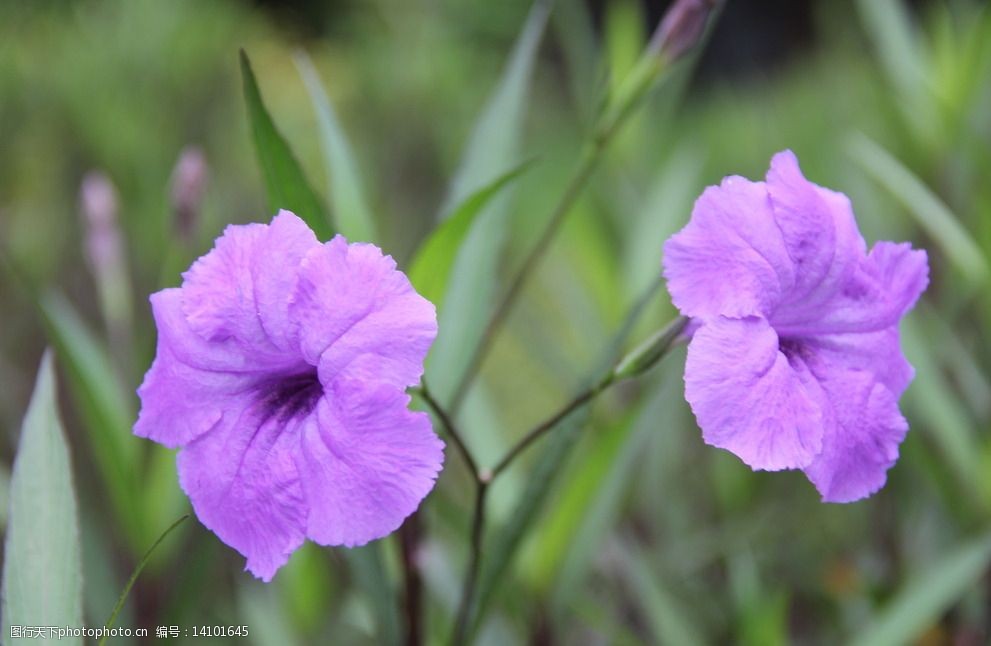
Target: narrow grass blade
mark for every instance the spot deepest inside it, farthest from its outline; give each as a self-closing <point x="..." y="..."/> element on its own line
<point x="106" y="413"/>
<point x="134" y="575"/>
<point x="927" y="596"/>
<point x="430" y="270"/>
<point x="350" y="210"/>
<point x="931" y="213"/>
<point x="492" y="149"/>
<point x="369" y="572"/>
<point x="42" y="576"/>
<point x="287" y="185"/>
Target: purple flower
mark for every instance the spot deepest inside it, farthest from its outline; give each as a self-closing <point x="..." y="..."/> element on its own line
<point x="281" y="371"/>
<point x="796" y="361"/>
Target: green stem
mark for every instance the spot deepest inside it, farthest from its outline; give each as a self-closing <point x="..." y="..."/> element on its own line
<point x="449" y="426"/>
<point x="134" y="576"/>
<point x="628" y="97"/>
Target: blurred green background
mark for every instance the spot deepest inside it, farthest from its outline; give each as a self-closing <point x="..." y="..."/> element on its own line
<point x="646" y="534"/>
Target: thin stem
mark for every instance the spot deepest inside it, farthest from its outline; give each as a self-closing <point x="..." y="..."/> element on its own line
<point x="536" y="432"/>
<point x="449" y="426"/>
<point x="587" y="164"/>
<point x="467" y="603"/>
<point x="409" y="537"/>
<point x="134" y="576"/>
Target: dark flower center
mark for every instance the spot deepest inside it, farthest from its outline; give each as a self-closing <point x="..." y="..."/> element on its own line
<point x="291" y="395"/>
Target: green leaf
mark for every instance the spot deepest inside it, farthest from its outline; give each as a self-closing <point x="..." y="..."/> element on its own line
<point x="502" y="546"/>
<point x="106" y="414"/>
<point x="493" y="147"/>
<point x="287" y="185"/>
<point x="42" y="577"/>
<point x="369" y="572"/>
<point x="351" y="214"/>
<point x="670" y="620"/>
<point x="430" y="269"/>
<point x="926" y="597"/>
<point x="929" y="211"/>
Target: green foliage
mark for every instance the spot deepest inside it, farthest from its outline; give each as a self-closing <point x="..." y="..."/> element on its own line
<point x="287" y="185"/>
<point x="620" y="526"/>
<point x="351" y="211"/>
<point x="42" y="575"/>
<point x="430" y="271"/>
<point x="492" y="148"/>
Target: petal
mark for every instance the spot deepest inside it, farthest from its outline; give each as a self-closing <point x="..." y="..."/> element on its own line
<point x="749" y="399"/>
<point x="730" y="259"/>
<point x="878" y="353"/>
<point x="820" y="235"/>
<point x="366" y="463"/>
<point x="241" y="478"/>
<point x="191" y="382"/>
<point x="240" y="290"/>
<point x="887" y="284"/>
<point x="274" y="273"/>
<point x="359" y="318"/>
<point x="861" y="441"/>
<point x="218" y="294"/>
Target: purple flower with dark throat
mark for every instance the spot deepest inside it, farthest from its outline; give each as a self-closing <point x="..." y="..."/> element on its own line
<point x="796" y="361"/>
<point x="281" y="371"/>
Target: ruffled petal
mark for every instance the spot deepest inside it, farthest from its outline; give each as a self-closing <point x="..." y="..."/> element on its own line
<point x="191" y="382"/>
<point x="878" y="353"/>
<point x="886" y="284"/>
<point x="217" y="290"/>
<point x="366" y="463"/>
<point x="274" y="273"/>
<point x="820" y="235"/>
<point x="749" y="399"/>
<point x="240" y="289"/>
<point x="731" y="258"/>
<point x="241" y="478"/>
<point x="359" y="318"/>
<point x="861" y="440"/>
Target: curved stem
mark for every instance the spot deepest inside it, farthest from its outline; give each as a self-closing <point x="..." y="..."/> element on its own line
<point x="134" y="576"/>
<point x="537" y="431"/>
<point x="467" y="604"/>
<point x="628" y="97"/>
<point x="449" y="426"/>
<point x="589" y="160"/>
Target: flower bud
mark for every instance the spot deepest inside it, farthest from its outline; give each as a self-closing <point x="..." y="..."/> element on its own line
<point x="682" y="27"/>
<point x="643" y="358"/>
<point x="98" y="201"/>
<point x="188" y="183"/>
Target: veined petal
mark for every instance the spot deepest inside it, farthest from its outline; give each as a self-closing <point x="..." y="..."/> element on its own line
<point x="366" y="463"/>
<point x="861" y="439"/>
<point x="240" y="289"/>
<point x="730" y="259"/>
<point x="359" y="318"/>
<point x="749" y="399"/>
<point x="274" y="273"/>
<point x="878" y="353"/>
<point x="820" y="235"/>
<point x="886" y="284"/>
<point x="241" y="478"/>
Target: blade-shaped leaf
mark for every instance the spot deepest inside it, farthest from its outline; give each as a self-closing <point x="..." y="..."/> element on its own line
<point x="369" y="572"/>
<point x="926" y="597"/>
<point x="285" y="181"/>
<point x="431" y="267"/>
<point x="929" y="211"/>
<point x="352" y="216"/>
<point x="106" y="413"/>
<point x="505" y="541"/>
<point x="42" y="578"/>
<point x="492" y="149"/>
